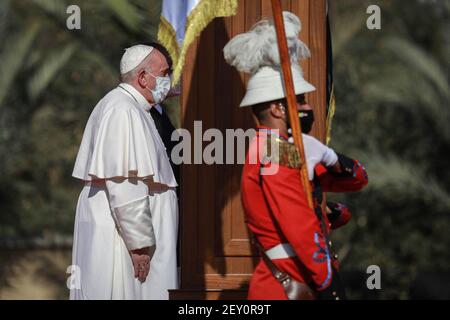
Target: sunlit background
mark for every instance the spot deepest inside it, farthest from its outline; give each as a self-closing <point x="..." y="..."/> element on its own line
<point x="393" y="113"/>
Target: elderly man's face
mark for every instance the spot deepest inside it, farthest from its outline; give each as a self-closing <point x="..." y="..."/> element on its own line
<point x="157" y="66"/>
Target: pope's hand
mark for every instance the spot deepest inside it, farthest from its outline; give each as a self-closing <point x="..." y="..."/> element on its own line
<point x="141" y="262"/>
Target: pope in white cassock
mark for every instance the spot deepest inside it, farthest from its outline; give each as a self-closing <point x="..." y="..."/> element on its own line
<point x="126" y="220"/>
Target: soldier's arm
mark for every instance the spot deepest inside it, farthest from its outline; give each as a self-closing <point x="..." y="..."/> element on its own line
<point x="348" y="176"/>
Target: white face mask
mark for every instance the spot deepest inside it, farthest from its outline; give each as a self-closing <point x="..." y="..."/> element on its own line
<point x="161" y="89"/>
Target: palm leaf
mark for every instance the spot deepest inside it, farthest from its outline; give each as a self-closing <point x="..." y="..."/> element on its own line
<point x="412" y="55"/>
<point x="49" y="69"/>
<point x="4" y="11"/>
<point x="397" y="85"/>
<point x="127" y="14"/>
<point x="100" y="61"/>
<point x="56" y="8"/>
<point x="393" y="176"/>
<point x="14" y="57"/>
<point x="347" y="34"/>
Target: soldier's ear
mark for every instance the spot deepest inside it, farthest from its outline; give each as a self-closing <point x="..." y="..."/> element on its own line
<point x="277" y="110"/>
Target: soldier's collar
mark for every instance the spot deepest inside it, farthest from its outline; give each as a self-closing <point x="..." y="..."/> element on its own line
<point x="272" y="132"/>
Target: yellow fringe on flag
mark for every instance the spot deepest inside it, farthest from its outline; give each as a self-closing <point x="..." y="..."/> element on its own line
<point x="198" y="19"/>
<point x="330" y="116"/>
<point x="168" y="38"/>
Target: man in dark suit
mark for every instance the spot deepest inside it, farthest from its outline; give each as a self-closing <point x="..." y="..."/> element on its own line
<point x="165" y="129"/>
<point x="162" y="121"/>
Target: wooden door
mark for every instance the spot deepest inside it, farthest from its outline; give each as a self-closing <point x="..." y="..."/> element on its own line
<point x="216" y="257"/>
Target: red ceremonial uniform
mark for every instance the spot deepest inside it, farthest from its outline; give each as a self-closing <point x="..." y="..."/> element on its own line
<point x="277" y="212"/>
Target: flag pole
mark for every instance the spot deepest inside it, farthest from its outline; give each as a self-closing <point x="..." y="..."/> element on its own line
<point x="290" y="95"/>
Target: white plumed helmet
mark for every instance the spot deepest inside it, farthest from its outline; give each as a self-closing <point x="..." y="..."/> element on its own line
<point x="256" y="52"/>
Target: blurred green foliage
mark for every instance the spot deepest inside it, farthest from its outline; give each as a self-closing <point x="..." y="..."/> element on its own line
<point x="393" y="114"/>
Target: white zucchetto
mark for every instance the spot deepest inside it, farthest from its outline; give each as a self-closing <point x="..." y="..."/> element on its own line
<point x="133" y="57"/>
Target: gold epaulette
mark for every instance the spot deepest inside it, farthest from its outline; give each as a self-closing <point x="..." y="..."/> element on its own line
<point x="287" y="154"/>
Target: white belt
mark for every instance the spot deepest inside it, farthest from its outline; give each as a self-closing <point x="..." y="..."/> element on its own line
<point x="281" y="251"/>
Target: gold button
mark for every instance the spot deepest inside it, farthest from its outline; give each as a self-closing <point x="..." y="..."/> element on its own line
<point x="334" y="293"/>
<point x="336" y="256"/>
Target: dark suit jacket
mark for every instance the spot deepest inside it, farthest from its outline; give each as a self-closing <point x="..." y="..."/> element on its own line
<point x="165" y="129"/>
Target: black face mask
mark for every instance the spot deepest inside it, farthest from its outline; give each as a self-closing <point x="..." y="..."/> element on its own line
<point x="306" y="120"/>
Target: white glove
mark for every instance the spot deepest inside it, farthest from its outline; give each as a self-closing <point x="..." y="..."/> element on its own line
<point x="316" y="152"/>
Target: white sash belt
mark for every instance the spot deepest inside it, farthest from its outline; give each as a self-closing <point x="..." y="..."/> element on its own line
<point x="281" y="251"/>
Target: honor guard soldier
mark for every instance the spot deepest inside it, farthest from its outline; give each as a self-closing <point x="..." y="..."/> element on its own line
<point x="297" y="257"/>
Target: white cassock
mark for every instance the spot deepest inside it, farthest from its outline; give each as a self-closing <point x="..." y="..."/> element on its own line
<point x="128" y="201"/>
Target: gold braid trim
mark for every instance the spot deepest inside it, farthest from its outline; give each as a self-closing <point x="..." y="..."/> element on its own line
<point x="288" y="155"/>
<point x="198" y="19"/>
